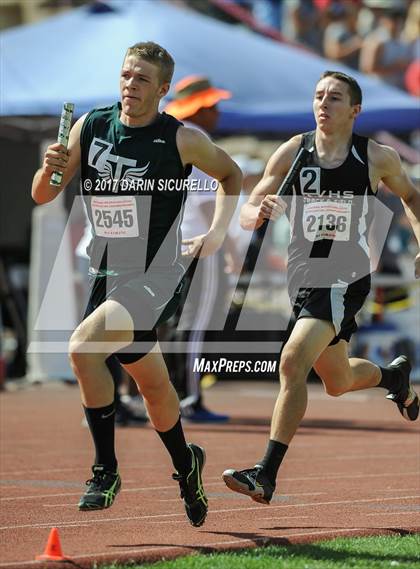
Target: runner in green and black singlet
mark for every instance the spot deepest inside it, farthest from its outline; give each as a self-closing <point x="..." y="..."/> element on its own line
<point x="125" y="174"/>
<point x="134" y="163"/>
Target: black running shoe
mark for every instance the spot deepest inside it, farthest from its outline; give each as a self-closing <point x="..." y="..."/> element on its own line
<point x="102" y="489"/>
<point x="251" y="482"/>
<point x="126" y="417"/>
<point x="192" y="491"/>
<point x="406" y="398"/>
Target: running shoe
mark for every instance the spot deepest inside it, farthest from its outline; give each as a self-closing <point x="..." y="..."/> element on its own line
<point x="193" y="410"/>
<point x="251" y="482"/>
<point x="127" y="417"/>
<point x="102" y="489"/>
<point x="406" y="398"/>
<point x="203" y="415"/>
<point x="191" y="485"/>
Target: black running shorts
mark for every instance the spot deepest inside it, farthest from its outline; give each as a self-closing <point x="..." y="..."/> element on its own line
<point x="150" y="299"/>
<point x="338" y="304"/>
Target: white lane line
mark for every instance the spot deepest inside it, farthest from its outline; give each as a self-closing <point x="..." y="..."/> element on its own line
<point x="386" y="456"/>
<point x="214" y="496"/>
<point x="81" y="490"/>
<point x="41" y="496"/>
<point x="412" y="512"/>
<point x="366" y="456"/>
<point x="73" y="505"/>
<point x="303" y="494"/>
<point x="227" y="510"/>
<point x="271" y="519"/>
<point x="169" y="522"/>
<point x="400" y="489"/>
<point x="294" y="479"/>
<point x="75" y="469"/>
<point x="183" y="548"/>
<point x="339" y="476"/>
<point x="285" y="518"/>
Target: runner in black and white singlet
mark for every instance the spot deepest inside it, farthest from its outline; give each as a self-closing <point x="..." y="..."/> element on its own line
<point x="134" y="163"/>
<point x="329" y="266"/>
<point x="331" y="213"/>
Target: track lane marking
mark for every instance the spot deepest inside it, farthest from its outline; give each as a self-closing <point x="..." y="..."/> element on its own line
<point x="412" y="512"/>
<point x="228" y="510"/>
<point x="210" y="494"/>
<point x="125" y="490"/>
<point x="296" y="478"/>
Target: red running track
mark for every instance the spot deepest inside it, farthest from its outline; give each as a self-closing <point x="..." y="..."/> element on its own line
<point x="353" y="469"/>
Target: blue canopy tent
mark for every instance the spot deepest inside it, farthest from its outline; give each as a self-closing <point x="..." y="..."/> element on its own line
<point x="76" y="56"/>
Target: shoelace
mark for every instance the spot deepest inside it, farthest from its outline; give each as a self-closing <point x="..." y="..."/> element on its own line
<point x="184" y="487"/>
<point x="97" y="479"/>
<point x="252" y="472"/>
<point x="183" y="484"/>
<point x="180" y="480"/>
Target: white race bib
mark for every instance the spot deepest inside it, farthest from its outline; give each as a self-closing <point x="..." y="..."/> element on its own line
<point x="115" y="217"/>
<point x="327" y="220"/>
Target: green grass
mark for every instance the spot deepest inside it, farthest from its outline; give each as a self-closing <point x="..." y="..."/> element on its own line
<point x="383" y="552"/>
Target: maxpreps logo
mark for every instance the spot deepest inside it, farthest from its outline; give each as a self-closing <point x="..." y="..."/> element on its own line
<point x="115" y="172"/>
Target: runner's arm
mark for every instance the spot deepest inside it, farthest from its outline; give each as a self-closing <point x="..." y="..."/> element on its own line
<point x="263" y="204"/>
<point x="387" y="163"/>
<point x="58" y="159"/>
<point x="197" y="149"/>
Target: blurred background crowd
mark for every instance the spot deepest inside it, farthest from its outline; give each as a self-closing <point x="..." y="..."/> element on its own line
<point x="376" y="37"/>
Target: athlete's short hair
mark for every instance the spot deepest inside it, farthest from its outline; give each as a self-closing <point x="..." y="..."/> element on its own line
<point x="156" y="54"/>
<point x="354" y="87"/>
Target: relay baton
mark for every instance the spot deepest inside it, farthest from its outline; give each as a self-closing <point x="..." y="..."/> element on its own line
<point x="258" y="235"/>
<point x="63" y="137"/>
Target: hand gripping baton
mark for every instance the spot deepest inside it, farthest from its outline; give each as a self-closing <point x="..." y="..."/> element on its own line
<point x="258" y="235"/>
<point x="63" y="137"/>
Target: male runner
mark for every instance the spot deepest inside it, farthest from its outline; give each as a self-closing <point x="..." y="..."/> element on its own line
<point x="134" y="162"/>
<point x="328" y="266"/>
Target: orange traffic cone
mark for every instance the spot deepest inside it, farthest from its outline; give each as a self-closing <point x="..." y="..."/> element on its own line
<point x="53" y="550"/>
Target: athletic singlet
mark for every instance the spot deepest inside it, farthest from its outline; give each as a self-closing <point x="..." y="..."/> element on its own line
<point x="330" y="214"/>
<point x="132" y="181"/>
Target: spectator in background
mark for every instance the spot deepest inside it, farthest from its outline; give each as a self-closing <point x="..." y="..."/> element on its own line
<point x="303" y="23"/>
<point x="412" y="78"/>
<point x="268" y="12"/>
<point x="195" y="103"/>
<point x="342" y="41"/>
<point x="411" y="34"/>
<point x="384" y="53"/>
<point x="369" y="13"/>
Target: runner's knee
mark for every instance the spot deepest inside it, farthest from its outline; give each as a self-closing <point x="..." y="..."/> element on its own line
<point x="293" y="367"/>
<point x="156" y="391"/>
<point x="81" y="359"/>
